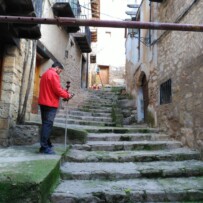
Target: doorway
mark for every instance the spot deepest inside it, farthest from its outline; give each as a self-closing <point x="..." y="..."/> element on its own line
<point x="104" y="75"/>
<point x="142" y="99"/>
<point x="84" y="74"/>
<point x="36" y="86"/>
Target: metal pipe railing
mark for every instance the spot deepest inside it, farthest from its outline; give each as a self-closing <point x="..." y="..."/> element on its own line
<point x="102" y="23"/>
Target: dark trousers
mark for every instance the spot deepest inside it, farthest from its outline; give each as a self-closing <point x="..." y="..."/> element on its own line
<point x="47" y="114"/>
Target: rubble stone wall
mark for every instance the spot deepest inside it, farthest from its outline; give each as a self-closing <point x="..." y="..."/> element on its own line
<point x="180" y="58"/>
<point x="11" y="92"/>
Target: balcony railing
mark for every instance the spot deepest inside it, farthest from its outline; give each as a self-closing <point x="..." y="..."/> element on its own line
<point x="84" y="29"/>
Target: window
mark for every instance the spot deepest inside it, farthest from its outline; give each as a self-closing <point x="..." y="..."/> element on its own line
<point x="92" y="59"/>
<point x="165" y="92"/>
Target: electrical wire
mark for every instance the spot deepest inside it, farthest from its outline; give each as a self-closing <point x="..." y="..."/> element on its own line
<point x="96" y="12"/>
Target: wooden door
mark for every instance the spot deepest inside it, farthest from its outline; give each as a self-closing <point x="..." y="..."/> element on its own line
<point x="36" y="88"/>
<point x="104" y="74"/>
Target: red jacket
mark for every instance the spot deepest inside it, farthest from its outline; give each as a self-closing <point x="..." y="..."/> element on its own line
<point x="50" y="89"/>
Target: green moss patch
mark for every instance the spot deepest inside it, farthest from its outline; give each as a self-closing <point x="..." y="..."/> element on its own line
<point x="125" y="138"/>
<point x="30" y="181"/>
<point x="77" y="136"/>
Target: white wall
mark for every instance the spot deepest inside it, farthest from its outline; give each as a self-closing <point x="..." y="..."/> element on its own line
<point x="53" y="37"/>
<point x="111" y="41"/>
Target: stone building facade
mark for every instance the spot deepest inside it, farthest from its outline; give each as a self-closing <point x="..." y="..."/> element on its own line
<point x="25" y="57"/>
<point x="172" y="63"/>
<point x="16" y="70"/>
<point x="180" y="58"/>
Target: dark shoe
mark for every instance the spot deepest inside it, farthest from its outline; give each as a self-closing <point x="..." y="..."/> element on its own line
<point x="48" y="151"/>
<point x="41" y="150"/>
<point x="50" y="144"/>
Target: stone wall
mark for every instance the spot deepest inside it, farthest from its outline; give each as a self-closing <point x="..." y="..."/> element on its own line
<point x="116" y="75"/>
<point x="14" y="86"/>
<point x="180" y="58"/>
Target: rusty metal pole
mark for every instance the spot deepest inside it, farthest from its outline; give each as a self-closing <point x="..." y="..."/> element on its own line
<point x="62" y="21"/>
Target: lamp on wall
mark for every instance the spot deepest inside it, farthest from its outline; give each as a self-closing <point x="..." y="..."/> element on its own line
<point x="135" y="33"/>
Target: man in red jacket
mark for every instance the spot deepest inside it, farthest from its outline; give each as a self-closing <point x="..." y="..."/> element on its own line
<point x="49" y="95"/>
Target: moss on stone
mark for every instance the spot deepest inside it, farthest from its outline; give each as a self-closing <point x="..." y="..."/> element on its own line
<point x="117" y="116"/>
<point x="120" y="130"/>
<point x="77" y="136"/>
<point x="150" y="119"/>
<point x="31" y="181"/>
<point x="144" y="131"/>
<point x="125" y="138"/>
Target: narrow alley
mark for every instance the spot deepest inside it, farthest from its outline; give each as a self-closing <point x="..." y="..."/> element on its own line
<point x="130" y="164"/>
<point x="101" y="101"/>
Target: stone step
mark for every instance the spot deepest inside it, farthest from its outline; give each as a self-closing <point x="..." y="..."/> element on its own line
<point x="125" y="130"/>
<point x="96" y="104"/>
<point x="87" y="118"/>
<point x="82" y="122"/>
<point x="90" y="108"/>
<point x="130" y="170"/>
<point x="126" y="146"/>
<point x="91" y="118"/>
<point x="95" y="110"/>
<point x="62" y="113"/>
<point x="108" y="129"/>
<point x="126" y="136"/>
<point x="127" y="191"/>
<point x="178" y="154"/>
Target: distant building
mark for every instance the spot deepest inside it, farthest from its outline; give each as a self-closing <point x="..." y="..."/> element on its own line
<point x="108" y="51"/>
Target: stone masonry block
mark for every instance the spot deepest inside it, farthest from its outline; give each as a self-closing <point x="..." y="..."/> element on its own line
<point x="24" y="134"/>
<point x="9" y="62"/>
<point x="4" y="124"/>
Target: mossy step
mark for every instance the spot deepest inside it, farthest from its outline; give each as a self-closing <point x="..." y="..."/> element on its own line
<point x="122" y="130"/>
<point x="62" y="113"/>
<point x="130" y="191"/>
<point x="125" y="145"/>
<point x="82" y="122"/>
<point x="96" y="104"/>
<point x="91" y="118"/>
<point x="87" y="118"/>
<point x="126" y="136"/>
<point x="95" y="110"/>
<point x="28" y="176"/>
<point x="178" y="154"/>
<point x="101" y="108"/>
<point x="118" y="171"/>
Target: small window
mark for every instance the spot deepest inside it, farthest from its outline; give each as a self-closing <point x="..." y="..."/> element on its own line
<point x="165" y="92"/>
<point x="92" y="59"/>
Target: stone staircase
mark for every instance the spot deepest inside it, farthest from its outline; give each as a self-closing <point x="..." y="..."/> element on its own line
<point x="126" y="164"/>
<point x="95" y="111"/>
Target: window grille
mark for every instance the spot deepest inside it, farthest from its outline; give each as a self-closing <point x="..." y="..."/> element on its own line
<point x="165" y="92"/>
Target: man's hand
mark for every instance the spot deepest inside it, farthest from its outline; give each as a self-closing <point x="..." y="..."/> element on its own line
<point x="67" y="99"/>
<point x="72" y="95"/>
